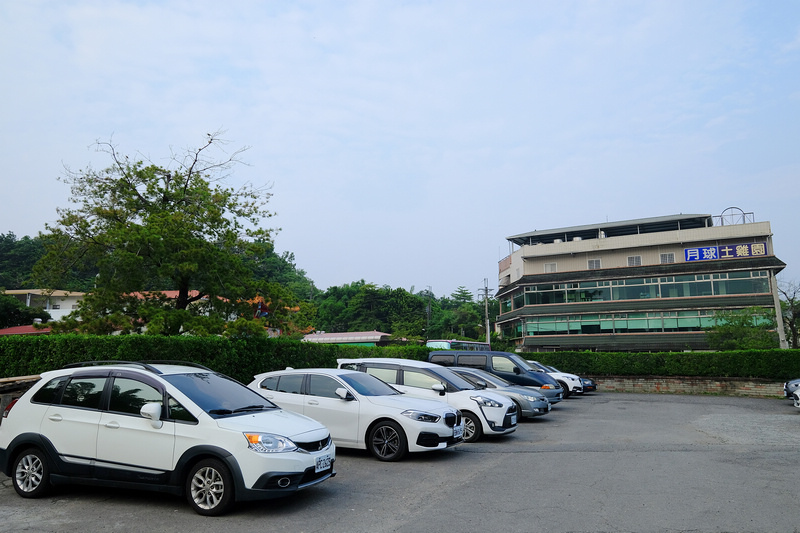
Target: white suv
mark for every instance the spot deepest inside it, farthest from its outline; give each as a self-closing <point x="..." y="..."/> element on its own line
<point x="172" y="427"/>
<point x="571" y="383"/>
<point x="484" y="412"/>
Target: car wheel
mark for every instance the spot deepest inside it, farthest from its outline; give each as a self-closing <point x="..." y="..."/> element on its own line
<point x="31" y="474"/>
<point x="387" y="442"/>
<point x="472" y="427"/>
<point x="519" y="409"/>
<point x="209" y="488"/>
<point x="567" y="392"/>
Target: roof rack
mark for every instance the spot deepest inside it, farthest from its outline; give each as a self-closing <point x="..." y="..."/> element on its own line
<point x="145" y="365"/>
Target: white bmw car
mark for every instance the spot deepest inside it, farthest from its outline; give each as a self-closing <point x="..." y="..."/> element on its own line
<point x="361" y="411"/>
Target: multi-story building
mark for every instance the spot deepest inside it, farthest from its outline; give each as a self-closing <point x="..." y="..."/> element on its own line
<point x="636" y="285"/>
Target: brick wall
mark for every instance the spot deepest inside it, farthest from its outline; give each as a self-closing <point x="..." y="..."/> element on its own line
<point x="689" y="385"/>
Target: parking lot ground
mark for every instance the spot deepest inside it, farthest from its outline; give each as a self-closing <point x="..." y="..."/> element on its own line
<point x="603" y="462"/>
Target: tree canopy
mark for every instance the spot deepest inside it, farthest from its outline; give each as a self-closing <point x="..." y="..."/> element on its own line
<point x="752" y="328"/>
<point x="148" y="229"/>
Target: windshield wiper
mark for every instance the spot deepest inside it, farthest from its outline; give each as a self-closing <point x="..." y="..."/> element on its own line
<point x="251" y="408"/>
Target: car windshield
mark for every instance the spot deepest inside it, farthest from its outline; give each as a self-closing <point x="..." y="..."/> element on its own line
<point x="451" y="378"/>
<point x="497" y="380"/>
<point x="219" y="395"/>
<point x="522" y="363"/>
<point x="368" y="385"/>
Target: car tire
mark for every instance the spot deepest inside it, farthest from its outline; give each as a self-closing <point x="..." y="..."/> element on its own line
<point x="567" y="392"/>
<point x="209" y="488"/>
<point x="519" y="409"/>
<point x="387" y="441"/>
<point x="473" y="430"/>
<point x="30" y="473"/>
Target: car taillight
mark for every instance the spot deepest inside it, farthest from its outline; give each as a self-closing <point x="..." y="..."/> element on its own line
<point x="8" y="407"/>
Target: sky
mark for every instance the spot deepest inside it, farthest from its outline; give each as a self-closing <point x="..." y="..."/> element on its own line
<point x="404" y="141"/>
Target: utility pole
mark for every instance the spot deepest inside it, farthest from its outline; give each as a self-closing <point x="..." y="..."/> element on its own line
<point x="428" y="313"/>
<point x="485" y="290"/>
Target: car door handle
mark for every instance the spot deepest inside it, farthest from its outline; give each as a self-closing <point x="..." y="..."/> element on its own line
<point x="55" y="418"/>
<point x="112" y="425"/>
<point x="313" y="402"/>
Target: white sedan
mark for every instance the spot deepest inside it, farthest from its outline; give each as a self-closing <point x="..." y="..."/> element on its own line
<point x="361" y="411"/>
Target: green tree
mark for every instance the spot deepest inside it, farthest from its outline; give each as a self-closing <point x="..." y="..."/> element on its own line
<point x="17" y="257"/>
<point x="752" y="328"/>
<point x="462" y="296"/>
<point x="147" y="229"/>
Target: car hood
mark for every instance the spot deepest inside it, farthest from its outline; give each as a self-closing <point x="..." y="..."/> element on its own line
<point x="277" y="421"/>
<point x="566" y="375"/>
<point x="405" y="402"/>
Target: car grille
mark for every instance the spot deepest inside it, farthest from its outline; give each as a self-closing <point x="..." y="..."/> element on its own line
<point x="453" y="419"/>
<point x="316" y="445"/>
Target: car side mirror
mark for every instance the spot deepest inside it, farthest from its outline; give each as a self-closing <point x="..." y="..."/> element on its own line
<point x="517" y="371"/>
<point x="438" y="387"/>
<point x="344" y="394"/>
<point x="152" y="411"/>
<point x="481" y="384"/>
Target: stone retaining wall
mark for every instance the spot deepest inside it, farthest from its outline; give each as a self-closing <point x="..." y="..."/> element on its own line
<point x="690" y="385"/>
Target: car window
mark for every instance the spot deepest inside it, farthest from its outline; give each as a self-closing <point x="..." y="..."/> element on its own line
<point x="129" y="395"/>
<point x="84" y="392"/>
<point x="474" y="379"/>
<point x="324" y="386"/>
<point x="178" y="411"/>
<point x="502" y="364"/>
<point x="472" y="361"/>
<point x="270" y="383"/>
<point x="415" y="378"/>
<point x="443" y="359"/>
<point x="291" y="383"/>
<point x="49" y="391"/>
<point x="388" y="375"/>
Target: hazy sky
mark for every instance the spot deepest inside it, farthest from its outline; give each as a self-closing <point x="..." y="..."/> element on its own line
<point x="405" y="140"/>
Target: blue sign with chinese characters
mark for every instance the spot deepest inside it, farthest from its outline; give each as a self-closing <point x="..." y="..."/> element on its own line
<point x="729" y="251"/>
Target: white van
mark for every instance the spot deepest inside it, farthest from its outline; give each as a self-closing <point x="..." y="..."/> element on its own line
<point x="484" y="412"/>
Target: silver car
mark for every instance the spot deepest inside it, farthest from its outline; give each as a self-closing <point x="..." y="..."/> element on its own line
<point x="530" y="402"/>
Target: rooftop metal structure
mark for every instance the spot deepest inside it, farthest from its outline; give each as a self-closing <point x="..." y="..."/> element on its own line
<point x="613" y="229"/>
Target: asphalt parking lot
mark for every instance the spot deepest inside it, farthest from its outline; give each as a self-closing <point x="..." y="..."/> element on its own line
<point x="602" y="462"/>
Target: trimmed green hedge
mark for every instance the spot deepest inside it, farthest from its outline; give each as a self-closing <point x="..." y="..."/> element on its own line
<point x="243" y="358"/>
<point x="779" y="365"/>
<point x="22" y="355"/>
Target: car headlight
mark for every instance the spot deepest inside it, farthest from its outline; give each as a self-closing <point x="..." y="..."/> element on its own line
<point x="483" y="401"/>
<point x="269" y="443"/>
<point x="421" y="416"/>
<point x="547" y="386"/>
<point x="531" y="398"/>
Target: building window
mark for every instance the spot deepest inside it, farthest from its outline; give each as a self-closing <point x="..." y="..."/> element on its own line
<point x="633" y="261"/>
<point x="549" y="267"/>
<point x="594" y="264"/>
<point x="667" y="258"/>
<point x="55" y="306"/>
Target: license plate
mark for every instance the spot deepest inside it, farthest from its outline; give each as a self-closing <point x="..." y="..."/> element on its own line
<point x="458" y="432"/>
<point x="513" y="419"/>
<point x="323" y="463"/>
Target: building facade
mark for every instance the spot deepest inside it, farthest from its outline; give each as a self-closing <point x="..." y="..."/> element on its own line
<point x="651" y="284"/>
<point x="58" y="303"/>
